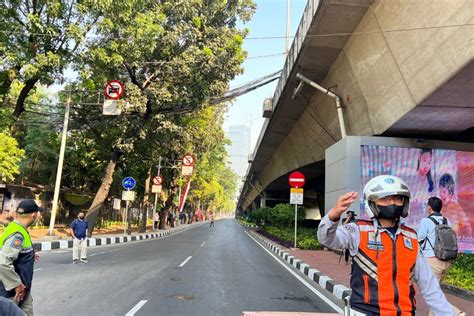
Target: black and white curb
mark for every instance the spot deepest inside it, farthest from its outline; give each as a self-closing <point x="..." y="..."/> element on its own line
<point x="338" y="290"/>
<point x="101" y="241"/>
<point x="249" y="226"/>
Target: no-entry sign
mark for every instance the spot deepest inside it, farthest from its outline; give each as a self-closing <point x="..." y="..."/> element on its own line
<point x="296" y="179"/>
<point x="114" y="90"/>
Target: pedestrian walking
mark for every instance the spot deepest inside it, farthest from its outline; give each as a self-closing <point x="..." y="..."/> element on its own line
<point x="156" y="220"/>
<point x="386" y="260"/>
<point x="79" y="229"/>
<point x="212" y="220"/>
<point x="17" y="258"/>
<point x="427" y="239"/>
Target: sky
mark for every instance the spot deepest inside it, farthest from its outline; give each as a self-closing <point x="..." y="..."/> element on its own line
<point x="269" y="20"/>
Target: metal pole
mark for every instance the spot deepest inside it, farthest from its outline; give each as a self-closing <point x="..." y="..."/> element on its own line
<point x="288" y="26"/>
<point x="296" y="222"/>
<point x="60" y="166"/>
<point x="126" y="218"/>
<point x="156" y="194"/>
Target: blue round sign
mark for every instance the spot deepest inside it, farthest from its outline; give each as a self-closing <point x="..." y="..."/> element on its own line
<point x="128" y="183"/>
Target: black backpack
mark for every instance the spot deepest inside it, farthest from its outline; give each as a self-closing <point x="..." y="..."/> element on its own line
<point x="446" y="243"/>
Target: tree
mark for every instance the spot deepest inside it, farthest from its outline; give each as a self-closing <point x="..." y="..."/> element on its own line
<point x="45" y="36"/>
<point x="10" y="157"/>
<point x="176" y="56"/>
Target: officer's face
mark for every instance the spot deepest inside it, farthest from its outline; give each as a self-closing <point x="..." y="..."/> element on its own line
<point x="391" y="200"/>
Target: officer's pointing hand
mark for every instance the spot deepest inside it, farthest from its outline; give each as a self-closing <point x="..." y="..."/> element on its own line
<point x="342" y="205"/>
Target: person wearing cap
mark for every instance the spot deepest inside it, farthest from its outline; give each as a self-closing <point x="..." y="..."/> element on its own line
<point x="18" y="257"/>
<point x="386" y="259"/>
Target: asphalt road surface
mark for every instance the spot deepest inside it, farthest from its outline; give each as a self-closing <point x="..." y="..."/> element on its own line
<point x="200" y="271"/>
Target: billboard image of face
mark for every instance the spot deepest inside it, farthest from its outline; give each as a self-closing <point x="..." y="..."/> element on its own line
<point x="447" y="174"/>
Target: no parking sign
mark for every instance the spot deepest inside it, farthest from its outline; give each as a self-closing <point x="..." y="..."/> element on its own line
<point x="114" y="90"/>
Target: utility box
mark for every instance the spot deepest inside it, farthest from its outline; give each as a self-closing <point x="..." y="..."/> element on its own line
<point x="267" y="107"/>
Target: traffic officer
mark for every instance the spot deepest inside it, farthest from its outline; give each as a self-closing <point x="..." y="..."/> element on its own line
<point x="18" y="257"/>
<point x="386" y="260"/>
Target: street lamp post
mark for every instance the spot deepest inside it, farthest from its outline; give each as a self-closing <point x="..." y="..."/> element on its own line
<point x="60" y="166"/>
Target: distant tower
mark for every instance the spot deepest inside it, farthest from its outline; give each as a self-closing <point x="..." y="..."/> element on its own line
<point x="239" y="149"/>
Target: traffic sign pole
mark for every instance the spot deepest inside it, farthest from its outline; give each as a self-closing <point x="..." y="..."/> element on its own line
<point x="296" y="221"/>
<point x="126" y="218"/>
<point x="296" y="180"/>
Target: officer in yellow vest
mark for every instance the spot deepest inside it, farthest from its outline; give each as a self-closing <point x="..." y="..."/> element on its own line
<point x="18" y="257"/>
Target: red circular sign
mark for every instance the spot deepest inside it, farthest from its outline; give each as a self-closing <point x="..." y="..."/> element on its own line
<point x="296" y="179"/>
<point x="114" y="90"/>
<point x="157" y="180"/>
<point x="188" y="160"/>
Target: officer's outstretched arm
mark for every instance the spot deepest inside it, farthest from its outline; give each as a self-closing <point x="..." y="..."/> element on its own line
<point x="430" y="289"/>
<point x="10" y="251"/>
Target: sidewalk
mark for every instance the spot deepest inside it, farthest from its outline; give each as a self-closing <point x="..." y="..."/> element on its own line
<point x="328" y="263"/>
<point x="109" y="239"/>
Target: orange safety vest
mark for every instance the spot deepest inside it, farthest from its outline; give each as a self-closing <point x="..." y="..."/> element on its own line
<point x="382" y="274"/>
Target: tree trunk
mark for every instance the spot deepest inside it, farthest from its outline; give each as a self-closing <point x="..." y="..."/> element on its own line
<point x="20" y="103"/>
<point x="146" y="202"/>
<point x="165" y="210"/>
<point x="103" y="192"/>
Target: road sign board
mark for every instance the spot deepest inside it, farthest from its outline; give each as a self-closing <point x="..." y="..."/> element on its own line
<point x="156" y="188"/>
<point x="188" y="160"/>
<point x="114" y="90"/>
<point x="187" y="170"/>
<point x="128" y="183"/>
<point x="157" y="180"/>
<point x="111" y="107"/>
<point x="117" y="203"/>
<point x="128" y="195"/>
<point x="296" y="196"/>
<point x="296" y="179"/>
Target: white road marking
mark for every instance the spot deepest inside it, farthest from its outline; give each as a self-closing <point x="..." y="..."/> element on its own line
<point x="309" y="286"/>
<point x="39" y="269"/>
<point x="136" y="308"/>
<point x="185" y="261"/>
<point x="202" y="245"/>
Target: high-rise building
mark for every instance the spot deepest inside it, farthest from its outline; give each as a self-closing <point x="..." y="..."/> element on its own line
<point x="239" y="149"/>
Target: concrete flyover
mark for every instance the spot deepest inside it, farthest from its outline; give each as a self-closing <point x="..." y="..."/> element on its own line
<point x="403" y="68"/>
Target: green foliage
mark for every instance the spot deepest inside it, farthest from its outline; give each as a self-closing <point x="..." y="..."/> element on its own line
<point x="306" y="236"/>
<point x="10" y="157"/>
<point x="461" y="273"/>
<point x="282" y="215"/>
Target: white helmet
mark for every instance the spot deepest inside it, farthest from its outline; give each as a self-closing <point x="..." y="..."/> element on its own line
<point x="382" y="186"/>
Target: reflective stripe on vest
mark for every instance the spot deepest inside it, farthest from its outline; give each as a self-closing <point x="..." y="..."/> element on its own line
<point x="383" y="271"/>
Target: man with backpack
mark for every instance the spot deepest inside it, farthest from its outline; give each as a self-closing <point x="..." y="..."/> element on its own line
<point x="437" y="240"/>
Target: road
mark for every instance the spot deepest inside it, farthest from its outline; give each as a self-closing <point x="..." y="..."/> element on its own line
<point x="200" y="271"/>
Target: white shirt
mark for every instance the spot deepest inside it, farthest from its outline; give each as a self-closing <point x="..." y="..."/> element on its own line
<point x="348" y="237"/>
